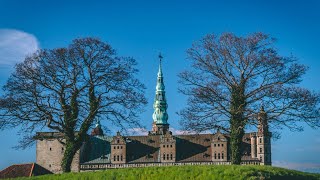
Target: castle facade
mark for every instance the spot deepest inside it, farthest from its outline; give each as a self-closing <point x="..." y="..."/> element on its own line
<point x="159" y="148"/>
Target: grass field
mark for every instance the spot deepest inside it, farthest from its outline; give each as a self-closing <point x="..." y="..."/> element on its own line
<point x="188" y="172"/>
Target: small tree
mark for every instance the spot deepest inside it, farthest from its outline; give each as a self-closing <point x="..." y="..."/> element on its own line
<point x="65" y="89"/>
<point x="231" y="76"/>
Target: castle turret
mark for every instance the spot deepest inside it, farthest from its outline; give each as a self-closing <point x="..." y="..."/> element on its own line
<point x="263" y="139"/>
<point x="97" y="131"/>
<point x="160" y="116"/>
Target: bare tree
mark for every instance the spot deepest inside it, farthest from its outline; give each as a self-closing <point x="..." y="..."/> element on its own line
<point x="232" y="76"/>
<point x="65" y="89"/>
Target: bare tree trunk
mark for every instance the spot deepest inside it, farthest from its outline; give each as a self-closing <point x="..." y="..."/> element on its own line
<point x="236" y="141"/>
<point x="70" y="151"/>
<point x="237" y="123"/>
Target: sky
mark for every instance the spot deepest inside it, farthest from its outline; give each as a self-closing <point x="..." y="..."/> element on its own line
<point x="142" y="29"/>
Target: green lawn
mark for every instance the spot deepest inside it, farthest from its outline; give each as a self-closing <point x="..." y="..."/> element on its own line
<point x="189" y="172"/>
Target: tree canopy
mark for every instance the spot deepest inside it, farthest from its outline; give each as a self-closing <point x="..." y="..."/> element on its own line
<point x="232" y="76"/>
<point x="66" y="89"/>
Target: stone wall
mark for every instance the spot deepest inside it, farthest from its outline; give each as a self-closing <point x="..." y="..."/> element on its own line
<point x="49" y="153"/>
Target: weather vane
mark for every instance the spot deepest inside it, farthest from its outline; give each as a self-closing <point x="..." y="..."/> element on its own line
<point x="160" y="57"/>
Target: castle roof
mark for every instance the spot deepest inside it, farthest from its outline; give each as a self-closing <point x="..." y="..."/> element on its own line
<point x="145" y="149"/>
<point x="23" y="170"/>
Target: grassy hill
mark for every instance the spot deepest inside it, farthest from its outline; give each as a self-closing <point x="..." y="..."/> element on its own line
<point x="188" y="172"/>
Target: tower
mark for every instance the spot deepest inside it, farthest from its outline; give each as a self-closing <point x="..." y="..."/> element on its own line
<point x="160" y="116"/>
<point x="263" y="138"/>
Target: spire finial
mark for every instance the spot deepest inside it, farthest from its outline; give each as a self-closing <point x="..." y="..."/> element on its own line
<point x="160" y="57"/>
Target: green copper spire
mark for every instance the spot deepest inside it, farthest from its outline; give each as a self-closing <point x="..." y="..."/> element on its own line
<point x="160" y="115"/>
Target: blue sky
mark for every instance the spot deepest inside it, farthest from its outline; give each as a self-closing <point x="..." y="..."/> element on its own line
<point x="143" y="28"/>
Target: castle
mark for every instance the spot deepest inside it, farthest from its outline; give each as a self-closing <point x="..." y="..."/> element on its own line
<point x="159" y="148"/>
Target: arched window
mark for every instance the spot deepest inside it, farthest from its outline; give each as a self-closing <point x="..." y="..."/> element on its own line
<point x="218" y="145"/>
<point x="260" y="150"/>
<point x="215" y="155"/>
<point x="218" y="155"/>
<point x="120" y="147"/>
<point x="171" y="145"/>
<point x="164" y="156"/>
<point x="118" y="158"/>
<point x="260" y="139"/>
<point x="164" y="146"/>
<point x="118" y="141"/>
<point x="260" y="158"/>
<point x="171" y="156"/>
<point x="167" y="145"/>
<point x="114" y="158"/>
<point x="114" y="147"/>
<point x="222" y="155"/>
<point x="121" y="157"/>
<point x="117" y="147"/>
<point x="167" y="156"/>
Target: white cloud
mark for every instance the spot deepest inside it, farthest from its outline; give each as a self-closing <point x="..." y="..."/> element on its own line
<point x="15" y="45"/>
<point x="143" y="131"/>
<point x="300" y="166"/>
<point x="137" y="131"/>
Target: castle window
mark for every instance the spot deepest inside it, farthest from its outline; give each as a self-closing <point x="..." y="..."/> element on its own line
<point x="164" y="146"/>
<point x="121" y="157"/>
<point x="260" y="158"/>
<point x="167" y="156"/>
<point x="218" y="145"/>
<point x="171" y="156"/>
<point x="167" y="145"/>
<point x="114" y="158"/>
<point x="218" y="155"/>
<point x="117" y="147"/>
<point x="114" y="147"/>
<point x="164" y="156"/>
<point x="120" y="147"/>
<point x="260" y="150"/>
<point x="118" y="141"/>
<point x="222" y="145"/>
<point x="215" y="155"/>
<point x="214" y="145"/>
<point x="118" y="158"/>
<point x="260" y="139"/>
<point x="171" y="145"/>
<point x="218" y="138"/>
<point x="50" y="149"/>
<point x="49" y="165"/>
<point x="222" y="156"/>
